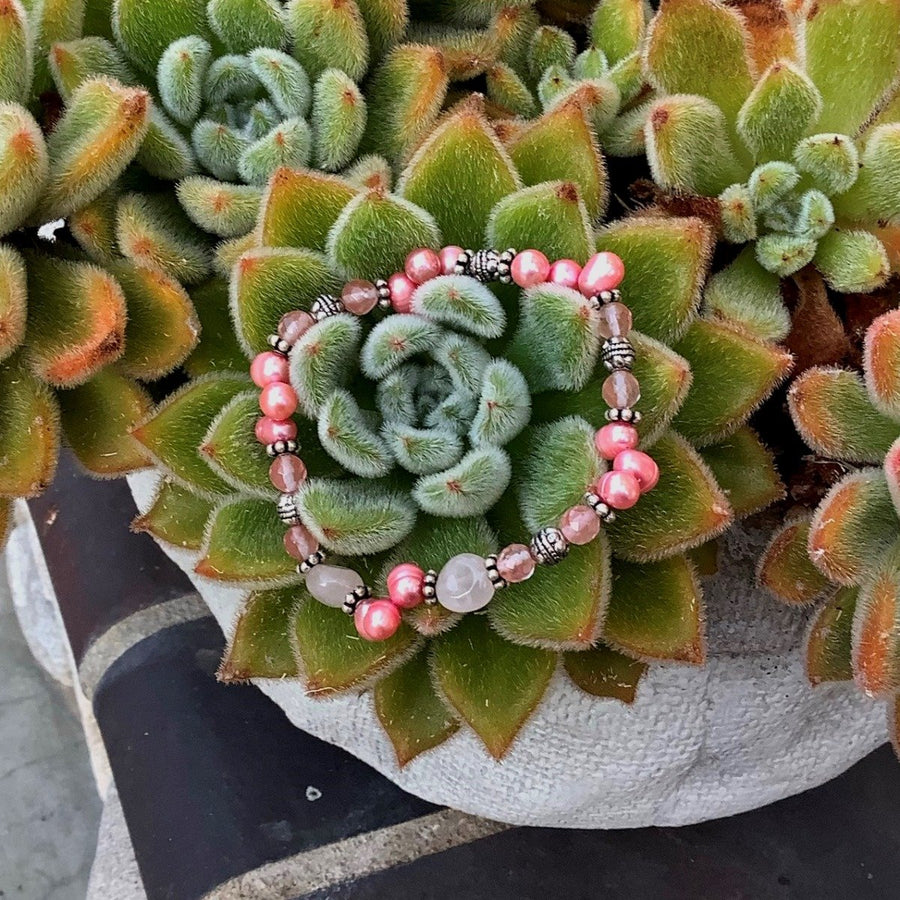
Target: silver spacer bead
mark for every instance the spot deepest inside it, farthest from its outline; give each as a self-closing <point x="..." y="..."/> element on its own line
<point x="617" y="353"/>
<point x="623" y="414"/>
<point x="287" y="510"/>
<point x="354" y="598"/>
<point x="325" y="306"/>
<point x="461" y="267"/>
<point x="490" y="565"/>
<point x="503" y="268"/>
<point x="279" y="344"/>
<point x="281" y="447"/>
<point x="429" y="587"/>
<point x="384" y="293"/>
<point x="604" y="297"/>
<point x="311" y="561"/>
<point x="603" y="510"/>
<point x="549" y="546"/>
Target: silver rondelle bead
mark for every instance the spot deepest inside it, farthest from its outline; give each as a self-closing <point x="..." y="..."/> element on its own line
<point x="617" y="353"/>
<point x="461" y="267"/>
<point x="311" y="561"/>
<point x="281" y="447"/>
<point x="279" y="344"/>
<point x="355" y="597"/>
<point x="429" y="587"/>
<point x="603" y="510"/>
<point x="384" y="293"/>
<point x="504" y="273"/>
<point x="549" y="546"/>
<point x="490" y="565"/>
<point x="287" y="510"/>
<point x="623" y="414"/>
<point x="324" y="306"/>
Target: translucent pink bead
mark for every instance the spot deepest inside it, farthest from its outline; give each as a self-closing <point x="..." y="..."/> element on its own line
<point x="621" y="390"/>
<point x="270" y="430"/>
<point x="612" y="439"/>
<point x="287" y="473"/>
<point x="404" y="584"/>
<point x="579" y="525"/>
<point x="299" y="542"/>
<point x="530" y="267"/>
<point x="422" y="265"/>
<point x="293" y="325"/>
<point x="565" y="272"/>
<point x="602" y="272"/>
<point x="614" y="320"/>
<point x="268" y="367"/>
<point x="402" y="289"/>
<point x="515" y="563"/>
<point x="642" y="466"/>
<point x="448" y="256"/>
<point x="376" y="620"/>
<point x="619" y="489"/>
<point x="278" y="400"/>
<point x="359" y="297"/>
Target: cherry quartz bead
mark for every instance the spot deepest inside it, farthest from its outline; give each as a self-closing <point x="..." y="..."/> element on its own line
<point x="402" y="289"/>
<point x="404" y="584"/>
<point x="529" y="268"/>
<point x="639" y="464"/>
<point x="612" y="439"/>
<point x="564" y="272"/>
<point x="449" y="256"/>
<point x="376" y="620"/>
<point x="621" y="390"/>
<point x="278" y="400"/>
<point x="579" y="525"/>
<point x="293" y="325"/>
<point x="287" y="473"/>
<point x="620" y="490"/>
<point x="268" y="430"/>
<point x="300" y="542"/>
<point x="614" y="320"/>
<point x="602" y="272"/>
<point x="269" y="367"/>
<point x="515" y="563"/>
<point x="359" y="297"/>
<point x="422" y="265"/>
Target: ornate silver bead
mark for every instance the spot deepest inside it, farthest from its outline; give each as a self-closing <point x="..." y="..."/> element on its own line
<point x="281" y="447"/>
<point x="490" y="565"/>
<point x="311" y="561"/>
<point x="604" y="512"/>
<point x="384" y="293"/>
<point x="355" y="597"/>
<point x="279" y="344"/>
<point x="623" y="414"/>
<point x="287" y="510"/>
<point x="485" y="266"/>
<point x="549" y="546"/>
<point x="324" y="306"/>
<point x="617" y="353"/>
<point x="429" y="587"/>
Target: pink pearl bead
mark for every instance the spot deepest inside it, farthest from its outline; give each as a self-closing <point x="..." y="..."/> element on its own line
<point x="515" y="563"/>
<point x="287" y="473"/>
<point x="619" y="489"/>
<point x="376" y="620"/>
<point x="565" y="272"/>
<point x="402" y="289"/>
<point x="579" y="525"/>
<point x="602" y="272"/>
<point x="422" y="265"/>
<point x="278" y="400"/>
<point x="269" y="367"/>
<point x="448" y="256"/>
<point x="642" y="466"/>
<point x="530" y="267"/>
<point x="300" y="542"/>
<point x="404" y="584"/>
<point x="294" y="324"/>
<point x="612" y="439"/>
<point x="270" y="430"/>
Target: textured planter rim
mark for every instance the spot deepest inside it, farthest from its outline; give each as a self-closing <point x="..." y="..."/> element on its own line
<point x="743" y="731"/>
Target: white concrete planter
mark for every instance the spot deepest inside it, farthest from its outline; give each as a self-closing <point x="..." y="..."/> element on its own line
<point x="741" y="732"/>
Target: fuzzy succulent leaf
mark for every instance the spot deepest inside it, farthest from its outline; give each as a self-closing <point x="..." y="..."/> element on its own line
<point x="617" y="27"/>
<point x="771" y="182"/>
<point x="13" y="300"/>
<point x="876" y="630"/>
<point x="508" y="91"/>
<point x="738" y="216"/>
<point x="464" y="359"/>
<point x="176" y="515"/>
<point x="326" y="35"/>
<point x="218" y="349"/>
<point x="338" y="119"/>
<point x="320" y="360"/>
<point x="423" y="451"/>
<point x="875" y="195"/>
<point x="346" y="436"/>
<point x="285" y="80"/>
<point x="852" y="261"/>
<point x="604" y="672"/>
<point x="785" y="254"/>
<point x="504" y="405"/>
<point x="461" y="302"/>
<point x="394" y="340"/>
<point x="219" y="148"/>
<point x="468" y="488"/>
<point x="785" y="567"/>
<point x="181" y="76"/>
<point x="16" y="62"/>
<point x="831" y="160"/>
<point x="829" y="643"/>
<point x="288" y="144"/>
<point x="23" y="165"/>
<point x="227" y="210"/>
<point x="242" y="25"/>
<point x="550" y="46"/>
<point x="881" y="363"/>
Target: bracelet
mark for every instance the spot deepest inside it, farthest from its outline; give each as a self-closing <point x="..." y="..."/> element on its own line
<point x="466" y="582"/>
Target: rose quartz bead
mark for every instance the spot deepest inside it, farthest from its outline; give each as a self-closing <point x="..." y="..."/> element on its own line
<point x="359" y="297"/>
<point x="422" y="265"/>
<point x="278" y="400"/>
<point x="565" y="272"/>
<point x="331" y="584"/>
<point x="621" y="390"/>
<point x="270" y="430"/>
<point x="642" y="466"/>
<point x="463" y="584"/>
<point x="404" y="584"/>
<point x="618" y="489"/>
<point x="287" y="473"/>
<point x="448" y="256"/>
<point x="299" y="542"/>
<point x="294" y="325"/>
<point x="612" y="439"/>
<point x="402" y="289"/>
<point x="376" y="620"/>
<point x="515" y="563"/>
<point x="530" y="267"/>
<point x="269" y="367"/>
<point x="602" y="272"/>
<point x="579" y="525"/>
<point x="614" y="320"/>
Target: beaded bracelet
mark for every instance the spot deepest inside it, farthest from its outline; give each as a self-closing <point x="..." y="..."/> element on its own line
<point x="467" y="582"/>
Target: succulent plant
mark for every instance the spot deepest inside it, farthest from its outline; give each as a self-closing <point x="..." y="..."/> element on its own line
<point x="405" y="462"/>
<point x="846" y="553"/>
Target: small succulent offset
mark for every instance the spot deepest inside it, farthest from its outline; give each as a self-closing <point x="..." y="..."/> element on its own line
<point x="847" y="551"/>
<point x="463" y="426"/>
